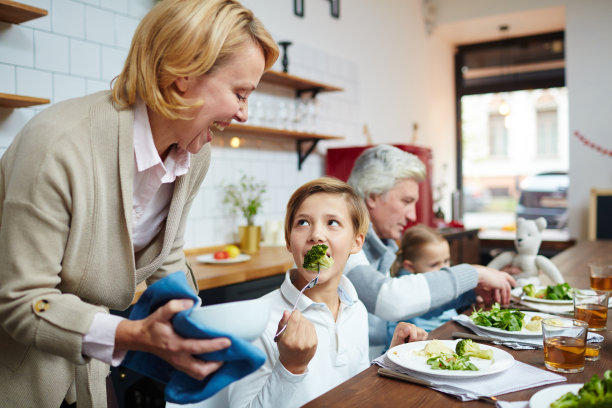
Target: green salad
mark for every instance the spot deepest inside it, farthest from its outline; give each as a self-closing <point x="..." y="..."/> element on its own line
<point x="504" y="319"/>
<point x="560" y="291"/>
<point x="451" y="362"/>
<point x="595" y="393"/>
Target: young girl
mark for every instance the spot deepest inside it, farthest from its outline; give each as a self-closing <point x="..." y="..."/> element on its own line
<point x="326" y="339"/>
<point x="424" y="249"/>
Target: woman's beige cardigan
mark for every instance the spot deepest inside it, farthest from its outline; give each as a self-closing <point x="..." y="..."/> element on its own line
<point x="66" y="246"/>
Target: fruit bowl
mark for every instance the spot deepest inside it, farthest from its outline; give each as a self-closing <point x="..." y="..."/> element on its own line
<point x="245" y="318"/>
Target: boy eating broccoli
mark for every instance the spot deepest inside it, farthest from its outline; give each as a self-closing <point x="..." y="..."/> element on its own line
<point x="326" y="339"/>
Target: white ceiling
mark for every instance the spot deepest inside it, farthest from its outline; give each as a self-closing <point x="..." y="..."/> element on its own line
<point x="487" y="28"/>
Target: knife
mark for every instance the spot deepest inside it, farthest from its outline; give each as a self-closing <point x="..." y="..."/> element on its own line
<point x="490" y="339"/>
<point x="408" y="378"/>
<point x="404" y="377"/>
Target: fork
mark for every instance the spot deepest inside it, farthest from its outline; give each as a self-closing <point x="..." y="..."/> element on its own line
<point x="309" y="285"/>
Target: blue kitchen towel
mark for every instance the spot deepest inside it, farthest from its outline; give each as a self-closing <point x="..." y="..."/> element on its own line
<point x="240" y="359"/>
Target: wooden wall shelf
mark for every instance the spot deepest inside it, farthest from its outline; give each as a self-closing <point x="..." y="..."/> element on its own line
<point x="300" y="85"/>
<point x="297" y="83"/>
<point x="19" y="101"/>
<point x="16" y="13"/>
<point x="266" y="131"/>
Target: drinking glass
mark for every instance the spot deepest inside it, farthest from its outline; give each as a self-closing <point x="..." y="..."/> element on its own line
<point x="591" y="306"/>
<point x="592" y="352"/>
<point x="564" y="344"/>
<point x="601" y="274"/>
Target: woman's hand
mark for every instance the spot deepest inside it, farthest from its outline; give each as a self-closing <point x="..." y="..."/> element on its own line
<point x="298" y="343"/>
<point x="494" y="285"/>
<point x="406" y="333"/>
<point x="156" y="335"/>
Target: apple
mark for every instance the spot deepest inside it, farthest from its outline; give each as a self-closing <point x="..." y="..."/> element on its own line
<point x="232" y="250"/>
<point x="221" y="255"/>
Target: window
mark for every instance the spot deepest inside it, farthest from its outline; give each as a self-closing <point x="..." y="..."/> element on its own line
<point x="547" y="132"/>
<point x="498" y="135"/>
<point x="512" y="122"/>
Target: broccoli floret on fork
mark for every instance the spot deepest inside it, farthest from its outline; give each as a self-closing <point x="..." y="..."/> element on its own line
<point x="316" y="258"/>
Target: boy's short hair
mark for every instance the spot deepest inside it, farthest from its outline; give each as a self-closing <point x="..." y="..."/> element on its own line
<point x="329" y="185"/>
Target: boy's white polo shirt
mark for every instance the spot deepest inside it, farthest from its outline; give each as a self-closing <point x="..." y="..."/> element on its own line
<point x="342" y="351"/>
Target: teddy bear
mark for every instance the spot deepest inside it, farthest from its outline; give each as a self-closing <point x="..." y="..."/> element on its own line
<point x="527" y="244"/>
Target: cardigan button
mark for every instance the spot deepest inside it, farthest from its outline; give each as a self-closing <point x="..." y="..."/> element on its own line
<point x="41" y="305"/>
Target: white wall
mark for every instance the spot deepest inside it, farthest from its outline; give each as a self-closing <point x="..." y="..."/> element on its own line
<point x="369" y="52"/>
<point x="589" y="63"/>
<point x="394" y="74"/>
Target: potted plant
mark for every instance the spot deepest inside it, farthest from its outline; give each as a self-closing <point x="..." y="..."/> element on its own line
<point x="246" y="197"/>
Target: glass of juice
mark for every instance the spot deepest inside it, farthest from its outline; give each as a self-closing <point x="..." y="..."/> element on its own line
<point x="601" y="274"/>
<point x="564" y="344"/>
<point x="591" y="306"/>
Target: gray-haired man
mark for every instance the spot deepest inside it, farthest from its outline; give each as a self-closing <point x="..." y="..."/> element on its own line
<point x="387" y="179"/>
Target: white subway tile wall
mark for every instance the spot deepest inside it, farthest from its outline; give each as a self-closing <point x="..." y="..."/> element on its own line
<point x="81" y="46"/>
<point x="66" y="18"/>
<point x="7" y="78"/>
<point x="88" y="62"/>
<point x="50" y="52"/>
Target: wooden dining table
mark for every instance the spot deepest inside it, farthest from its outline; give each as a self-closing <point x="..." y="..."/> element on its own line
<point x="369" y="389"/>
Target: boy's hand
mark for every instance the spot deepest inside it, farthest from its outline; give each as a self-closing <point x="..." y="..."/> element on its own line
<point x="407" y="333"/>
<point x="298" y="343"/>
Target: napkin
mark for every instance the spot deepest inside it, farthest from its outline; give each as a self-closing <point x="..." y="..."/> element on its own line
<point x="520" y="376"/>
<point x="240" y="359"/>
<point x="515" y="342"/>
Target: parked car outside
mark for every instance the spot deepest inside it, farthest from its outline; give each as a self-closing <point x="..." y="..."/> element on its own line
<point x="545" y="195"/>
<point x="475" y="199"/>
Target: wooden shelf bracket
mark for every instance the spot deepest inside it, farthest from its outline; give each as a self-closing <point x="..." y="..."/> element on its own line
<point x="303" y="155"/>
<point x="314" y="91"/>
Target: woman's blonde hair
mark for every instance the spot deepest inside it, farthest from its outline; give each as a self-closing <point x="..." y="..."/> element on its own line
<point x="412" y="242"/>
<point x="179" y="38"/>
<point x="329" y="185"/>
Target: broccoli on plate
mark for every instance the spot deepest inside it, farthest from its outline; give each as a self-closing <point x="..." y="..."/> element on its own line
<point x="594" y="394"/>
<point x="467" y="347"/>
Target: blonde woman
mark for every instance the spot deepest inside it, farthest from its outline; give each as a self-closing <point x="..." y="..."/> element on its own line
<point x="95" y="193"/>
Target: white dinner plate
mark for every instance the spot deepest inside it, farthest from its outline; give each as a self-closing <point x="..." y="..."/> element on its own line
<point x="517" y="292"/>
<point x="523" y="332"/>
<point x="210" y="258"/>
<point x="404" y="356"/>
<point x="545" y="397"/>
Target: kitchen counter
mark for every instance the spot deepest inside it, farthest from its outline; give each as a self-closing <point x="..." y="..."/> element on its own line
<point x="270" y="261"/>
<point x="273" y="260"/>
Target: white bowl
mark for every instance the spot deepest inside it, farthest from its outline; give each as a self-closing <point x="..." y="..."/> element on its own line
<point x="245" y="318"/>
